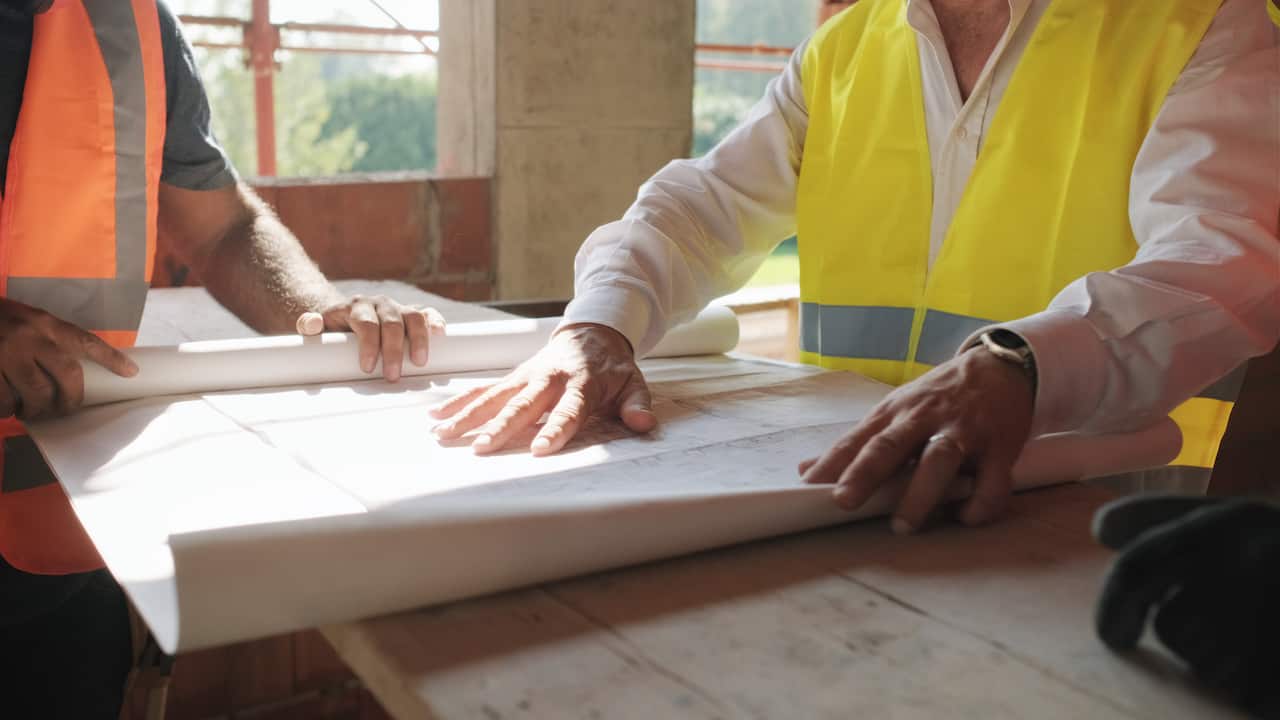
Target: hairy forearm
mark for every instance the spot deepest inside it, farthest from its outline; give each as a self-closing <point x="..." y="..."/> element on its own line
<point x="259" y="271"/>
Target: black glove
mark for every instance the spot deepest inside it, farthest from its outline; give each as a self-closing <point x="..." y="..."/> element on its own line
<point x="1210" y="568"/>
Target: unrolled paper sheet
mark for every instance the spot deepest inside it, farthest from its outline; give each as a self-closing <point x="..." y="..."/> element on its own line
<point x="239" y="514"/>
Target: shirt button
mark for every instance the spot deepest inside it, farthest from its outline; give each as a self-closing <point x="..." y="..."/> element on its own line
<point x="962" y="134"/>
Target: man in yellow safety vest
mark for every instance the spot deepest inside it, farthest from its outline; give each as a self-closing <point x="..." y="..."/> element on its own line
<point x="1032" y="216"/>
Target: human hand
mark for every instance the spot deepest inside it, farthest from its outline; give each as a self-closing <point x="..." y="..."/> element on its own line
<point x="40" y="361"/>
<point x="584" y="370"/>
<point x="380" y="325"/>
<point x="1209" y="569"/>
<point x="971" y="413"/>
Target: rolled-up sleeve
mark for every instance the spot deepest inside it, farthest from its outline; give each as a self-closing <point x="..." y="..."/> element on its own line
<point x="699" y="228"/>
<point x="193" y="159"/>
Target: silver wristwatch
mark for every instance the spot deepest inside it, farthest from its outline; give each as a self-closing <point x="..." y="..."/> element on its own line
<point x="1010" y="347"/>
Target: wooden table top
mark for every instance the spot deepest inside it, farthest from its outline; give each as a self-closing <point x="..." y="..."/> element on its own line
<point x="845" y="622"/>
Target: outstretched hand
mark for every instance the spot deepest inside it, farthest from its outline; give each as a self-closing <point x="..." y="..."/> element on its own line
<point x="970" y="414"/>
<point x="585" y="370"/>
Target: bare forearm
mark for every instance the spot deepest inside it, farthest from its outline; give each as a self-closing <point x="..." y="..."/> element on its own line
<point x="259" y="271"/>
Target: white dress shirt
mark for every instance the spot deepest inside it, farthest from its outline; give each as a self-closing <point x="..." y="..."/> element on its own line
<point x="1114" y="350"/>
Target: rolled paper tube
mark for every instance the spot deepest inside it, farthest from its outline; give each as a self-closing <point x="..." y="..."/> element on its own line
<point x="216" y="365"/>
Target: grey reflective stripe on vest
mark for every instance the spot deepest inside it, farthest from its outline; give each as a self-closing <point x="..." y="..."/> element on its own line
<point x="111" y="303"/>
<point x="881" y="333"/>
<point x="943" y="333"/>
<point x="855" y="331"/>
<point x="24" y="466"/>
<point x="93" y="304"/>
<point x="868" y="332"/>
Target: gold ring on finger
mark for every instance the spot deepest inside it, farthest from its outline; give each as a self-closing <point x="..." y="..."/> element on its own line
<point x="945" y="439"/>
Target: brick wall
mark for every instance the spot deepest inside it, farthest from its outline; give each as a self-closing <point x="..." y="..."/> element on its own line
<point x="431" y="232"/>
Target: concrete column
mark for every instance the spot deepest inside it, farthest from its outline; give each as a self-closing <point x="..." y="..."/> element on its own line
<point x="569" y="105"/>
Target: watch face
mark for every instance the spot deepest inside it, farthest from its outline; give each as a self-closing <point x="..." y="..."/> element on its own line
<point x="1007" y="339"/>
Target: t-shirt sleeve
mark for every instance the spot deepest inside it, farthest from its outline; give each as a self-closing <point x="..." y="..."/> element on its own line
<point x="193" y="159"/>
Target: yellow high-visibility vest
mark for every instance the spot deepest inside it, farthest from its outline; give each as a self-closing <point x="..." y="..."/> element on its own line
<point x="1048" y="201"/>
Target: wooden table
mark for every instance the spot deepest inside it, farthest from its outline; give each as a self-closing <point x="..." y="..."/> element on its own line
<point x="840" y="623"/>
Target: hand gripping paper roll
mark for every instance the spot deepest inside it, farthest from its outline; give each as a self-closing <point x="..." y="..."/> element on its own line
<point x="216" y="365"/>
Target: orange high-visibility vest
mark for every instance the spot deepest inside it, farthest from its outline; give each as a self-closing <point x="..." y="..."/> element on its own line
<point x="78" y="225"/>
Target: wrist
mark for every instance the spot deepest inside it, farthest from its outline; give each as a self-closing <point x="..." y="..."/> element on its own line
<point x="1009" y="352"/>
<point x="1009" y="348"/>
<point x="611" y="338"/>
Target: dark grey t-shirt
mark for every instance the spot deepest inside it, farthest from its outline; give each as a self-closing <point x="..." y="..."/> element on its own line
<point x="192" y="157"/>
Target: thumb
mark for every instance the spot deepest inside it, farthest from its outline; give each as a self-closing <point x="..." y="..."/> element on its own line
<point x="310" y="323"/>
<point x="635" y="405"/>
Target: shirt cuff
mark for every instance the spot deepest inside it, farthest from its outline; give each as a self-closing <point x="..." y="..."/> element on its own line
<point x="620" y="308"/>
<point x="1070" y="368"/>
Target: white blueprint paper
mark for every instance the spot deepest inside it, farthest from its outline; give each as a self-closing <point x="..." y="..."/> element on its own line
<point x="240" y="514"/>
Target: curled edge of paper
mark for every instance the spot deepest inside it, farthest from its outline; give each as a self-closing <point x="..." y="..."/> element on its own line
<point x="475" y="547"/>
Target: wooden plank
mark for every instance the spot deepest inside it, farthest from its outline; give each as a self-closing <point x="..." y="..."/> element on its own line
<point x="994" y="622"/>
<point x="316" y="667"/>
<point x="260" y="673"/>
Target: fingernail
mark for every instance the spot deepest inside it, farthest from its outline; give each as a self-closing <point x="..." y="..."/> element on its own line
<point x="541" y="443"/>
<point x="483" y="441"/>
<point x="420" y="357"/>
<point x="901" y="527"/>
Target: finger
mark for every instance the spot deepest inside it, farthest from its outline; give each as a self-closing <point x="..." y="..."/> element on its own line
<point x="992" y="490"/>
<point x="520" y="412"/>
<point x="363" y="321"/>
<point x="828" y="466"/>
<point x="1154" y="563"/>
<point x="1119" y="522"/>
<point x="934" y="475"/>
<point x="563" y="421"/>
<point x="34" y="390"/>
<point x="68" y="378"/>
<point x="879" y="459"/>
<point x="435" y="321"/>
<point x="310" y="323"/>
<point x="415" y="324"/>
<point x="477" y="412"/>
<point x="450" y="407"/>
<point x="806" y="464"/>
<point x="635" y="405"/>
<point x="86" y="344"/>
<point x="392" y="342"/>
